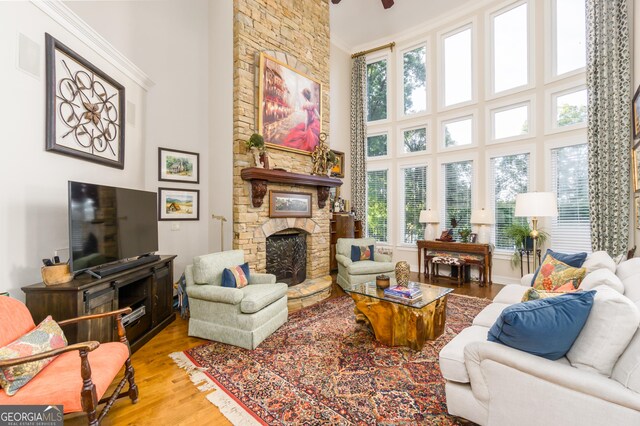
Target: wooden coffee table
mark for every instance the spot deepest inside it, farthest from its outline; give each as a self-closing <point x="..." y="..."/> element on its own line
<point x="397" y="322"/>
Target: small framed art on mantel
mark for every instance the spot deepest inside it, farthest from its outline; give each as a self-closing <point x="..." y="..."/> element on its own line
<point x="289" y="204"/>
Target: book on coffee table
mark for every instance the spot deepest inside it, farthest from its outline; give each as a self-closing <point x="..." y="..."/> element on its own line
<point x="404" y="292"/>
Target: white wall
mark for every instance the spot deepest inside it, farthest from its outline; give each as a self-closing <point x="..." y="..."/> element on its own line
<point x="171" y="43"/>
<point x="221" y="122"/>
<point x="340" y="107"/>
<point x="33" y="218"/>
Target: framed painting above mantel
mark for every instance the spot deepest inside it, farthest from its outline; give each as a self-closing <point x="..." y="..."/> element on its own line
<point x="289" y="107"/>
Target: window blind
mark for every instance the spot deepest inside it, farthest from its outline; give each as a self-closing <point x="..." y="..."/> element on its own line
<point x="377" y="220"/>
<point x="415" y="200"/>
<point x="571" y="230"/>
<point x="456" y="196"/>
<point x="509" y="176"/>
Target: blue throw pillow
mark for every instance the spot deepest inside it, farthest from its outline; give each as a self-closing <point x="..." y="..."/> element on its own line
<point x="359" y="253"/>
<point x="572" y="259"/>
<point x="229" y="279"/>
<point x="545" y="327"/>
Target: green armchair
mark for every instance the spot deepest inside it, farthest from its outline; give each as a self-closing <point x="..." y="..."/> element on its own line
<point x="350" y="272"/>
<point x="241" y="317"/>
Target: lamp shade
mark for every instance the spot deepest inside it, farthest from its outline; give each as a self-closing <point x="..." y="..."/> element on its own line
<point x="536" y="204"/>
<point x="482" y="217"/>
<point x="428" y="216"/>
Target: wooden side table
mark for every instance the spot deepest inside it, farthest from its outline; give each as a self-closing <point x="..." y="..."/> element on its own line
<point x="484" y="250"/>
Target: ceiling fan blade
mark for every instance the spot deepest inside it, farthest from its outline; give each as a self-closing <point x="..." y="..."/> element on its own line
<point x="387" y="3"/>
<point x="335" y="1"/>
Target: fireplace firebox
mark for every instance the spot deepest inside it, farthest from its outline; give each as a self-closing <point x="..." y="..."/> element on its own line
<point x="287" y="256"/>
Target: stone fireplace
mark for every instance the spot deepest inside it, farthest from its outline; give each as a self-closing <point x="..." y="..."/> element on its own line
<point x="302" y="41"/>
<point x="287" y="256"/>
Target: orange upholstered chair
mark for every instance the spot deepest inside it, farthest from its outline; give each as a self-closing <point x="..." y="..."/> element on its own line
<point x="80" y="375"/>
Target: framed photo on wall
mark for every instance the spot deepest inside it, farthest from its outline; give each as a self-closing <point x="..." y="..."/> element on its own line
<point x="338" y="168"/>
<point x="290" y="107"/>
<point x="178" y="166"/>
<point x="178" y="204"/>
<point x="289" y="204"/>
<point x="85" y="108"/>
<point x="635" y="114"/>
<point x="636" y="203"/>
<point x="635" y="160"/>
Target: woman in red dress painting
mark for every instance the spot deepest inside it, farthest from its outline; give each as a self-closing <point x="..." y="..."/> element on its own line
<point x="305" y="135"/>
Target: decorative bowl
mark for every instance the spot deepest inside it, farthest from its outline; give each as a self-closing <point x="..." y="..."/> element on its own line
<point x="382" y="281"/>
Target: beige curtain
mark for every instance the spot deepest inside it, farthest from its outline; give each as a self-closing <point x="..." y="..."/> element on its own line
<point x="609" y="125"/>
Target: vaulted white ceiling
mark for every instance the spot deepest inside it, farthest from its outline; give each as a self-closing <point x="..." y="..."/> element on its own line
<point x="358" y="22"/>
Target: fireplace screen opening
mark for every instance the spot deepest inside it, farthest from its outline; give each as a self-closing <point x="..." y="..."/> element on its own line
<point x="287" y="257"/>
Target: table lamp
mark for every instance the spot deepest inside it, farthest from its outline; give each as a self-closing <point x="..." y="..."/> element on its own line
<point x="429" y="217"/>
<point x="482" y="218"/>
<point x="535" y="205"/>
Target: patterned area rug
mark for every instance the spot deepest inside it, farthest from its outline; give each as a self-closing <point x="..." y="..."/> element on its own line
<point x="322" y="367"/>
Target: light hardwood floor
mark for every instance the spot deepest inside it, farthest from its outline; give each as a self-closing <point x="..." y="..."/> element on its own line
<point x="167" y="395"/>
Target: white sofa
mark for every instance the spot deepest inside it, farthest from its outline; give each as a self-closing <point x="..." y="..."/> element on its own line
<point x="492" y="384"/>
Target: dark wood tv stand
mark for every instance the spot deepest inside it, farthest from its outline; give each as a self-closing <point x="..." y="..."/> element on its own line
<point x="149" y="285"/>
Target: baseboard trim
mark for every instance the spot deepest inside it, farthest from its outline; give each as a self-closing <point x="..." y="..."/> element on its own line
<point x="505" y="280"/>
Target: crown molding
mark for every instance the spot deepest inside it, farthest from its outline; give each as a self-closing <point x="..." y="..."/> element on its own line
<point x="340" y="44"/>
<point x="64" y="16"/>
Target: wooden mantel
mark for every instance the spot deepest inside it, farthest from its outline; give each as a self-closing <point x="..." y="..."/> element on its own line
<point x="259" y="178"/>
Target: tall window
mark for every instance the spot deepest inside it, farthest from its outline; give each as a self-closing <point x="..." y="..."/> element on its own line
<point x="568" y="35"/>
<point x="570" y="107"/>
<point x="509" y="176"/>
<point x="377" y="212"/>
<point x="510" y="122"/>
<point x="377" y="90"/>
<point x="415" y="199"/>
<point x="377" y="145"/>
<point x="457" y="132"/>
<point x="510" y="48"/>
<point x="458" y="59"/>
<point x="571" y="230"/>
<point x="414" y="140"/>
<point x="456" y="197"/>
<point x="414" y="74"/>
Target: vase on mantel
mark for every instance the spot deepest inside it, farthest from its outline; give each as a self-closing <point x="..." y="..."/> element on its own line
<point x="264" y="159"/>
<point x="256" y="156"/>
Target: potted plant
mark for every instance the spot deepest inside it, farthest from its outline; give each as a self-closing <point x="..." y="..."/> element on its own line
<point x="257" y="147"/>
<point x="464" y="234"/>
<point x="520" y="233"/>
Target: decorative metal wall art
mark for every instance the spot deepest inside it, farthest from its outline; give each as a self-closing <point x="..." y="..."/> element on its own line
<point x="85" y="108"/>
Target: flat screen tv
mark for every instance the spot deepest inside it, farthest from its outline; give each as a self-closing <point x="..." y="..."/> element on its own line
<point x="109" y="224"/>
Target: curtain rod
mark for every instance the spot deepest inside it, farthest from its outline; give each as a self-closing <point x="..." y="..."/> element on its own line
<point x="375" y="49"/>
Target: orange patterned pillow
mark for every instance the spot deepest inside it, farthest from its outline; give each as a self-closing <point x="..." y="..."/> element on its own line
<point x="554" y="274"/>
<point x="46" y="336"/>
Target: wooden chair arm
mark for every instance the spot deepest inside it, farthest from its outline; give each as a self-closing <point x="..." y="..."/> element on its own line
<point x="122" y="334"/>
<point x="95" y="316"/>
<point x="84" y="346"/>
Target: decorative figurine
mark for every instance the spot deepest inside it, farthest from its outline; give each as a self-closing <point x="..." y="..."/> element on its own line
<point x="321" y="157"/>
